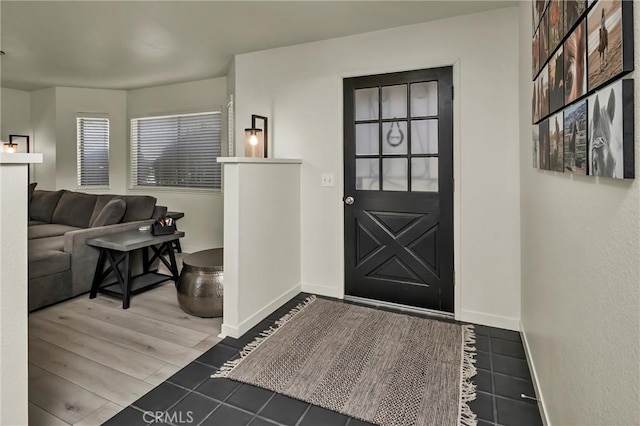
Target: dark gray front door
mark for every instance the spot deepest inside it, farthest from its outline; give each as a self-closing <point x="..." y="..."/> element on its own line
<point x="398" y="168"/>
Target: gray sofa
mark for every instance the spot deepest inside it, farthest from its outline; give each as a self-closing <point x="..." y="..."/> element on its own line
<point x="61" y="264"/>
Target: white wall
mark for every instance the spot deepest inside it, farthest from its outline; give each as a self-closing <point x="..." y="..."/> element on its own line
<point x="261" y="240"/>
<point x="15" y="115"/>
<point x="71" y="101"/>
<point x="580" y="275"/>
<point x="203" y="209"/>
<point x="300" y="89"/>
<point x="13" y="288"/>
<point x="43" y="120"/>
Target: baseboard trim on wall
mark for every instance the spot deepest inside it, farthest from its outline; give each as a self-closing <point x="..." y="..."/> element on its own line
<point x="253" y="320"/>
<point x="534" y="376"/>
<point x="323" y="290"/>
<point x="490" y="320"/>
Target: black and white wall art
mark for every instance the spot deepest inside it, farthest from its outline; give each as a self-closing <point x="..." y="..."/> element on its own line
<point x="611" y="131"/>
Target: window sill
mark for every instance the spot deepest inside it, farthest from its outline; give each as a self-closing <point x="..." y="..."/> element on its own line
<point x="94" y="188"/>
<point x="202" y="191"/>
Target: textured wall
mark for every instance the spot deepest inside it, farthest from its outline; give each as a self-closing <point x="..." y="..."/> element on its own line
<point x="580" y="279"/>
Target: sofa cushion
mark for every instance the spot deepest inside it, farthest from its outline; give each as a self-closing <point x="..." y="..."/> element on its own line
<point x="111" y="214"/>
<point x="32" y="187"/>
<point x="48" y="262"/>
<point x="49" y="243"/>
<point x="139" y="207"/>
<point x="43" y="203"/>
<point x="101" y="202"/>
<point x="49" y="230"/>
<point x="35" y="222"/>
<point x="75" y="209"/>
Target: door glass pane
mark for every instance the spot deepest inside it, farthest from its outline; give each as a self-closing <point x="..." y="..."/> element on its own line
<point x="367" y="174"/>
<point x="367" y="137"/>
<point x="424" y="137"/>
<point x="424" y="174"/>
<point x="394" y="137"/>
<point x="394" y="101"/>
<point x="394" y="174"/>
<point x="424" y="99"/>
<point x="367" y="104"/>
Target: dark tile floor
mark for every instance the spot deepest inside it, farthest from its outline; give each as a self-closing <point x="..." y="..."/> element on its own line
<point x="190" y="397"/>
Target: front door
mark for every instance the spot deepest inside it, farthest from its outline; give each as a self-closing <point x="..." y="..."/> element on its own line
<point x="398" y="170"/>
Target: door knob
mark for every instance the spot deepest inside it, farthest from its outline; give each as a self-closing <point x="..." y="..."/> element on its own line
<point x="349" y="200"/>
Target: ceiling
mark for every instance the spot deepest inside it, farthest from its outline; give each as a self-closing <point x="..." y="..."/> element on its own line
<point x="133" y="44"/>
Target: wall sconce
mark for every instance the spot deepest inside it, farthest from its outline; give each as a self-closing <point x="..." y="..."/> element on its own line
<point x="256" y="140"/>
<point x="10" y="147"/>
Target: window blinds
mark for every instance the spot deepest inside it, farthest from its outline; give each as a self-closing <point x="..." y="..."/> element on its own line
<point x="93" y="151"/>
<point x="177" y="151"/>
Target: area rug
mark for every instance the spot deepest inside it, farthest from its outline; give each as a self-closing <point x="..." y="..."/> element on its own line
<point x="381" y="367"/>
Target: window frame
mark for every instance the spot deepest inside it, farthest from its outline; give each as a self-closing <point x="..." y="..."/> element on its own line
<point x="87" y="115"/>
<point x="181" y="189"/>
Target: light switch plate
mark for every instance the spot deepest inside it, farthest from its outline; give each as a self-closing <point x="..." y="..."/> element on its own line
<point x="327" y="179"/>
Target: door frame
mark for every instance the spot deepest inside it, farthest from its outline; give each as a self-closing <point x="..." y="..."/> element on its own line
<point x="408" y="66"/>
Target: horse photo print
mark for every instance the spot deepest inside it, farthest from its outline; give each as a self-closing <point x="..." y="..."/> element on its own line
<point x="556" y="143"/>
<point x="543" y="149"/>
<point x="543" y="40"/>
<point x="535" y="55"/>
<point x="575" y="64"/>
<point x="610" y="28"/>
<point x="556" y="81"/>
<point x="575" y="138"/>
<point x="556" y="24"/>
<point x="611" y="131"/>
<point x="534" y="145"/>
<point x="573" y="10"/>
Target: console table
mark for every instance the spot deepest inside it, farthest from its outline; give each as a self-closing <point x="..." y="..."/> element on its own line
<point x="117" y="248"/>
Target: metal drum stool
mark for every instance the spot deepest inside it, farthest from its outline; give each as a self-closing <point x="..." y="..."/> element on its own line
<point x="200" y="287"/>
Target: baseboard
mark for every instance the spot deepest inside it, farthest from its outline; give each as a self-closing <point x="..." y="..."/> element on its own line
<point x="490" y="320"/>
<point x="253" y="320"/>
<point x="534" y="377"/>
<point x="323" y="290"/>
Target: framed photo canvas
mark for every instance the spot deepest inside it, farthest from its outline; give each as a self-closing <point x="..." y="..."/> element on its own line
<point x="611" y="151"/>
<point x="575" y="138"/>
<point x="556" y="143"/>
<point x="575" y="64"/>
<point x="610" y="42"/>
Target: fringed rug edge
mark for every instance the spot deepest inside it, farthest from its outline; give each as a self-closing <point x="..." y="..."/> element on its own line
<point x="466" y="417"/>
<point x="229" y="366"/>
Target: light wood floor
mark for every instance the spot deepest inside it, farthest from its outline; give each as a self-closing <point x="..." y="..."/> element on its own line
<point x="88" y="359"/>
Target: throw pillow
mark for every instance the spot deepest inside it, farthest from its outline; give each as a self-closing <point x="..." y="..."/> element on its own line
<point x="32" y="187"/>
<point x="111" y="214"/>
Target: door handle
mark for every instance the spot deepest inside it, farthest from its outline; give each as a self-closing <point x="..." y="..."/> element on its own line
<point x="349" y="200"/>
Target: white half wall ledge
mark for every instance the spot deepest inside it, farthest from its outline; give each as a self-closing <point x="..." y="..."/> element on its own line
<point x="259" y="160"/>
<point x="19" y="158"/>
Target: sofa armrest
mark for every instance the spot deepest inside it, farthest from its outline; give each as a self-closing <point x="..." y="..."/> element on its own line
<point x="84" y="258"/>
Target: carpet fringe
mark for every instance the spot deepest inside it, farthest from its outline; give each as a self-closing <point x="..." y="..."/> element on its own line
<point x="467" y="371"/>
<point x="228" y="366"/>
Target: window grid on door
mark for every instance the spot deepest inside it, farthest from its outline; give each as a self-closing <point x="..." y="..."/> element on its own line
<point x="396" y="131"/>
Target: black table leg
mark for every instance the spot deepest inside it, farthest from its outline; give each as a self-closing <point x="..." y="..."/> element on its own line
<point x="97" y="276"/>
<point x="145" y="260"/>
<point x="174" y="264"/>
<point x="126" y="291"/>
